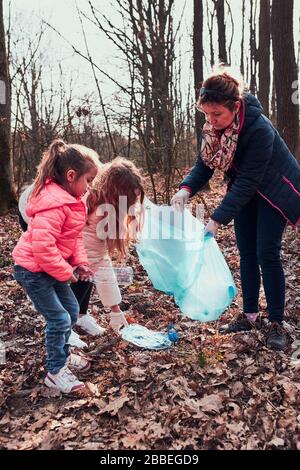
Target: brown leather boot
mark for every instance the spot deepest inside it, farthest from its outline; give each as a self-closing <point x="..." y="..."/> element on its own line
<point x="276" y="337"/>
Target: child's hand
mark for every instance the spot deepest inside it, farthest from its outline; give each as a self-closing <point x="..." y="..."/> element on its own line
<point x="83" y="273"/>
<point x="72" y="279"/>
<point x="117" y="321"/>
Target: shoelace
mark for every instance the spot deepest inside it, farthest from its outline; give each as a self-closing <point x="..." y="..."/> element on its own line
<point x="278" y="328"/>
<point x="67" y="374"/>
<point x="76" y="359"/>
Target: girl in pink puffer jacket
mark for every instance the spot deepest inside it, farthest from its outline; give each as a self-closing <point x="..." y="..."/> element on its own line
<point x="52" y="248"/>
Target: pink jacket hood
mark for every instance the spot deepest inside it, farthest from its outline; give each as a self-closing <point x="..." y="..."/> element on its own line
<point x="51" y="196"/>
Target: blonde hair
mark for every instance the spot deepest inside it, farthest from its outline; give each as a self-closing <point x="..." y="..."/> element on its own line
<point x="120" y="177"/>
<point x="61" y="157"/>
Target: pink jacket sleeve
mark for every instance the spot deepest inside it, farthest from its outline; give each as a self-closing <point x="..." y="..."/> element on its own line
<point x="46" y="229"/>
<point x="79" y="256"/>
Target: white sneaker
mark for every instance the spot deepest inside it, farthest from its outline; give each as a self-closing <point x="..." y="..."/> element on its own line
<point x="89" y="325"/>
<point x="77" y="362"/>
<point x="64" y="380"/>
<point x="74" y="340"/>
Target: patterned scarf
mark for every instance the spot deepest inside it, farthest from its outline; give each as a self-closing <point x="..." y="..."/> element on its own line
<point x="217" y="150"/>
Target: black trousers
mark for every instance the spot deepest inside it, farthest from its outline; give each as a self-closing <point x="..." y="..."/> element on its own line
<point x="22" y="223"/>
<point x="82" y="291"/>
<point x="259" y="228"/>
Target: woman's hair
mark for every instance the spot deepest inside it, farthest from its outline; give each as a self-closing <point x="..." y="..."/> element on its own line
<point x="61" y="157"/>
<point x="221" y="88"/>
<point x="120" y="177"/>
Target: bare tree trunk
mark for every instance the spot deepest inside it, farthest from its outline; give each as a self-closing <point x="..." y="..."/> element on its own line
<point x="161" y="70"/>
<point x="31" y="96"/>
<point x="189" y="121"/>
<point x="198" y="60"/>
<point x="110" y="134"/>
<point x="220" y="11"/>
<point x="210" y="26"/>
<point x="285" y="72"/>
<point x="6" y="186"/>
<point x="232" y="32"/>
<point x="253" y="49"/>
<point x="131" y="68"/>
<point x="139" y="31"/>
<point x="273" y="116"/>
<point x="264" y="55"/>
<point x="242" y="66"/>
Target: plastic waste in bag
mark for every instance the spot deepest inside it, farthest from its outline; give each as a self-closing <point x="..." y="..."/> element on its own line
<point x="144" y="338"/>
<point x="170" y="241"/>
<point x="173" y="335"/>
<point x="182" y="262"/>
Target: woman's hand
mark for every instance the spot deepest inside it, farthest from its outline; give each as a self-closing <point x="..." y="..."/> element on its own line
<point x="212" y="227"/>
<point x="180" y="199"/>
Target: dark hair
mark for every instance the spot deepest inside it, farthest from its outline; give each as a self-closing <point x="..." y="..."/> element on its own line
<point x="61" y="157"/>
<point x="220" y="88"/>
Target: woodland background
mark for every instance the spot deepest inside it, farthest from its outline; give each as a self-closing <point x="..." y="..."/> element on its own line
<point x="208" y="391"/>
<point x="150" y="115"/>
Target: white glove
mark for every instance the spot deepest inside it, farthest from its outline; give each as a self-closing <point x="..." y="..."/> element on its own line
<point x="117" y="321"/>
<point x="179" y="199"/>
<point x="212" y="227"/>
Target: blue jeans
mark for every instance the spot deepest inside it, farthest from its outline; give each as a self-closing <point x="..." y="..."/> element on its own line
<point x="58" y="305"/>
<point x="259" y="229"/>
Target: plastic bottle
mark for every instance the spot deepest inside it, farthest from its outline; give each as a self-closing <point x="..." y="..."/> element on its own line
<point x="122" y="274"/>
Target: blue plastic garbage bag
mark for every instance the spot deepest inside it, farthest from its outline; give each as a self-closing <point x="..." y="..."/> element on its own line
<point x="144" y="338"/>
<point x="182" y="262"/>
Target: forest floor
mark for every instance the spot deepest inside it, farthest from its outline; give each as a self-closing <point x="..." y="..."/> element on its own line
<point x="208" y="391"/>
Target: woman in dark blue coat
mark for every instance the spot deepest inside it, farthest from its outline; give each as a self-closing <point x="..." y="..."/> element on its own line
<point x="263" y="194"/>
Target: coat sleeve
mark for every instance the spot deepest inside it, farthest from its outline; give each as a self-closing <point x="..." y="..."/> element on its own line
<point x="105" y="278"/>
<point x="79" y="256"/>
<point x="199" y="175"/>
<point x="250" y="174"/>
<point x="23" y="202"/>
<point x="46" y="229"/>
